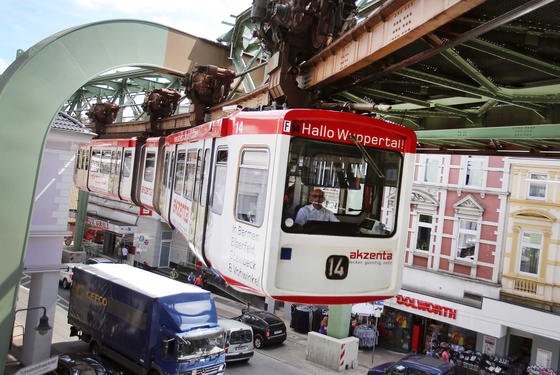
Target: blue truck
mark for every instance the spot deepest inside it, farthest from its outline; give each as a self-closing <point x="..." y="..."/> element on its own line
<point x="148" y="323"/>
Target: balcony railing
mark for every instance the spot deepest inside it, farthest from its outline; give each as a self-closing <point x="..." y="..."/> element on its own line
<point x="525" y="286"/>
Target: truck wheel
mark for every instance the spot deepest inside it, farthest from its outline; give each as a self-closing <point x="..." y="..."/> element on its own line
<point x="65" y="284"/>
<point x="93" y="347"/>
<point x="258" y="342"/>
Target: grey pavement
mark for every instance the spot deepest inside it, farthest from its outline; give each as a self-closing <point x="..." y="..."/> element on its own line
<point x="293" y="352"/>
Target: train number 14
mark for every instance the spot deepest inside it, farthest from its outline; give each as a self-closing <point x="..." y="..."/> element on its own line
<point x="337" y="267"/>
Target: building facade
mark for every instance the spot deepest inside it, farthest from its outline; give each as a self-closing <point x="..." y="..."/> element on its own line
<point x="481" y="262"/>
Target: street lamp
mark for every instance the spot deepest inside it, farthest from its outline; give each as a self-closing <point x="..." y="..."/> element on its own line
<point x="43" y="326"/>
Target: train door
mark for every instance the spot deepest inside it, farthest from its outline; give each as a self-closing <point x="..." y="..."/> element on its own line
<point x="116" y="155"/>
<point x="201" y="194"/>
<point x="238" y="217"/>
<point x="167" y="178"/>
<point x="148" y="173"/>
<point x="125" y="186"/>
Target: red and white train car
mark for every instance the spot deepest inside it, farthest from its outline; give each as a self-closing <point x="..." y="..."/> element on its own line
<point x="233" y="188"/>
<point x="108" y="167"/>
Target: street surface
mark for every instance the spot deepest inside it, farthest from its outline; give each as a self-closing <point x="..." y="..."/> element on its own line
<point x="286" y="359"/>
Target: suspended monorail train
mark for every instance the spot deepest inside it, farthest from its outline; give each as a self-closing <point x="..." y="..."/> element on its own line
<point x="233" y="187"/>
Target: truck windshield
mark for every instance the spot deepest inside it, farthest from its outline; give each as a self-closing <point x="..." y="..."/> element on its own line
<point x="354" y="188"/>
<point x="198" y="345"/>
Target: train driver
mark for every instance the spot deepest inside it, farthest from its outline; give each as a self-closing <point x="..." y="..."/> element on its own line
<point x="315" y="210"/>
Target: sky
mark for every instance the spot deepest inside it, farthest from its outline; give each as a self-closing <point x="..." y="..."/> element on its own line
<point x="23" y="23"/>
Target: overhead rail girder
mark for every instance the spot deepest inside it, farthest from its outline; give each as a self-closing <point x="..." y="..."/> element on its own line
<point x="386" y="30"/>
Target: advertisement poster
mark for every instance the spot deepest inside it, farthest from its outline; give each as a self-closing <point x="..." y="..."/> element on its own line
<point x="489" y="345"/>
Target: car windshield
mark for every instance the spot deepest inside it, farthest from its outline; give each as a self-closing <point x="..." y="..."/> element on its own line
<point x="193" y="346"/>
<point x="354" y="188"/>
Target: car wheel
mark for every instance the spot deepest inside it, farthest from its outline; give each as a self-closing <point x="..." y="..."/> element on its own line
<point x="258" y="341"/>
<point x="65" y="284"/>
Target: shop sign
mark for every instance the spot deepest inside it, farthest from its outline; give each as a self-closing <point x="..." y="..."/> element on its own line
<point x="105" y="225"/>
<point x="429" y="307"/>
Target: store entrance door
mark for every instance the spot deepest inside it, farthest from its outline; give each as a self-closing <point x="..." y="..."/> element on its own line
<point x="520" y="349"/>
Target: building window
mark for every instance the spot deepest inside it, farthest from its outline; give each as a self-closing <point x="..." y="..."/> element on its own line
<point x="424" y="236"/>
<point x="537" y="186"/>
<point x="474" y="171"/>
<point x="251" y="187"/>
<point x="432" y="169"/>
<point x="530" y="252"/>
<point x="467" y="239"/>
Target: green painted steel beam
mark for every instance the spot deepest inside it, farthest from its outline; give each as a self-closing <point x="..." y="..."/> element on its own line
<point x="505" y="133"/>
<point x="47" y="75"/>
<point x="513" y="56"/>
<point x="469" y="89"/>
<point x="454" y="58"/>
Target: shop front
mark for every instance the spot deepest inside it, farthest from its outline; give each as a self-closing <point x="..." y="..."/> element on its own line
<point x="476" y="337"/>
<point x="110" y="235"/>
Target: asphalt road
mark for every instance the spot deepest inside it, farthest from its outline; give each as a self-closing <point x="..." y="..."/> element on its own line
<point x="263" y="362"/>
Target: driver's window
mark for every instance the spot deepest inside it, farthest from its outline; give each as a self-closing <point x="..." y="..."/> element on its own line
<point x="359" y="187"/>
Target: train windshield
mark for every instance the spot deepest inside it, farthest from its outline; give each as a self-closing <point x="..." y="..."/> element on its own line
<point x="341" y="189"/>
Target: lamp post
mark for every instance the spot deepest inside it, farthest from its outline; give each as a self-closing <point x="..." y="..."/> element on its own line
<point x="43" y="326"/>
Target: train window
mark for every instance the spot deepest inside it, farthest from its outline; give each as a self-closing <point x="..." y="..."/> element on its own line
<point x="114" y="162"/>
<point x="105" y="162"/>
<point x="251" y="186"/>
<point x="192" y="158"/>
<point x="219" y="186"/>
<point x="165" y="168"/>
<point x="118" y="160"/>
<point x="149" y="166"/>
<point x="86" y="159"/>
<point x="198" y="178"/>
<point x="206" y="169"/>
<point x="180" y="172"/>
<point x="127" y="164"/>
<point x="359" y="186"/>
<point x="95" y="161"/>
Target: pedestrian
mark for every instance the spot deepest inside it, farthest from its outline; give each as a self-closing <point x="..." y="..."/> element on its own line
<point x="198" y="281"/>
<point x="323" y="326"/>
<point x="174" y="274"/>
<point x="124" y="254"/>
<point x="246" y="309"/>
<point x="445" y="355"/>
<point x="191" y="278"/>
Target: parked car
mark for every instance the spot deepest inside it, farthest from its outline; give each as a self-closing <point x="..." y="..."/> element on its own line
<point x="97" y="260"/>
<point x="83" y="364"/>
<point x="238" y="340"/>
<point x="412" y="364"/>
<point x="267" y="327"/>
<point x="66" y="274"/>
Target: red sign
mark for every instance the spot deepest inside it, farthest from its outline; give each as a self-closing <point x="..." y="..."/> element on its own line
<point x="432" y="308"/>
<point x="145" y="212"/>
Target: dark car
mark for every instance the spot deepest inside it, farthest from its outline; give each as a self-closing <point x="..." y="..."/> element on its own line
<point x="83" y="364"/>
<point x="414" y="364"/>
<point x="98" y="260"/>
<point x="267" y="327"/>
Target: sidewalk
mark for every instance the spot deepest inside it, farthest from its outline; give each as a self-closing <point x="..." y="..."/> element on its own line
<point x="293" y="352"/>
